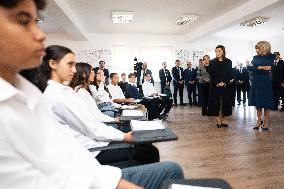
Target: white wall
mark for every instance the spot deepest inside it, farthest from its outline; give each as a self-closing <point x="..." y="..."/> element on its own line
<point x="236" y="50"/>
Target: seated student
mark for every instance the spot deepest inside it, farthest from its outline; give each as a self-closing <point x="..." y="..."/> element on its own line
<point x="123" y="83"/>
<point x="58" y="65"/>
<point x="80" y="83"/>
<point x="35" y="152"/>
<point x="131" y="89"/>
<point x="164" y="103"/>
<point x="116" y="92"/>
<point x="101" y="94"/>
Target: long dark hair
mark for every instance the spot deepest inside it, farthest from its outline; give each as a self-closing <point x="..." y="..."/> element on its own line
<point x="81" y="77"/>
<point x="53" y="52"/>
<point x="40" y="4"/>
<point x="223" y="49"/>
<point x="95" y="83"/>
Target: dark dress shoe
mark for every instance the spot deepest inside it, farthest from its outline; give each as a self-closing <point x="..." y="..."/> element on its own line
<point x="183" y="104"/>
<point x="282" y="109"/>
<point x="219" y="126"/>
<point x="224" y="125"/>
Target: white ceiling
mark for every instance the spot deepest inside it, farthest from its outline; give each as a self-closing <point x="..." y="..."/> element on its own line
<point x="219" y="18"/>
<point x="274" y="28"/>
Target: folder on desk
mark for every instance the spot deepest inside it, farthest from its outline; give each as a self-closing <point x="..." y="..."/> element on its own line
<point x="146" y="125"/>
<point x="132" y="113"/>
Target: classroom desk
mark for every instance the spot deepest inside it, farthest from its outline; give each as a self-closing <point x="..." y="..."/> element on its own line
<point x="214" y="183"/>
<point x="141" y="137"/>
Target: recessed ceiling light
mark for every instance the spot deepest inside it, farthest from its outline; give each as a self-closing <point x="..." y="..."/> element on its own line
<point x="186" y="19"/>
<point x="122" y="17"/>
<point x="255" y="21"/>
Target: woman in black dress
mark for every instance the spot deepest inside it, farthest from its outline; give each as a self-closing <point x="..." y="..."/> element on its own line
<point x="220" y="71"/>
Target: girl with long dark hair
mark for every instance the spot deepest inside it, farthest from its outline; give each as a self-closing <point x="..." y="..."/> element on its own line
<point x="80" y="83"/>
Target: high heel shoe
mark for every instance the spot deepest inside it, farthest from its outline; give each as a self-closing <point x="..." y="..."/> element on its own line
<point x="264" y="128"/>
<point x="219" y="126"/>
<point x="260" y="125"/>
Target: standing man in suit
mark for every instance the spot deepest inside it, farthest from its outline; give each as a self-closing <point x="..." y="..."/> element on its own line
<point x="190" y="83"/>
<point x="165" y="77"/>
<point x="278" y="81"/>
<point x="123" y="83"/>
<point x="242" y="82"/>
<point x="178" y="82"/>
<point x="106" y="72"/>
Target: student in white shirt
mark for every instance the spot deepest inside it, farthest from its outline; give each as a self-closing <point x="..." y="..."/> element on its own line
<point x="58" y="66"/>
<point x="164" y="103"/>
<point x="35" y="152"/>
<point x="80" y="84"/>
<point x="102" y="95"/>
<point x="116" y="92"/>
<point x="148" y="87"/>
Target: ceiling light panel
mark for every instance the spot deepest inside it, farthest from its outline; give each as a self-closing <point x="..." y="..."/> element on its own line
<point x="186" y="19"/>
<point x="255" y="21"/>
<point x="122" y="17"/>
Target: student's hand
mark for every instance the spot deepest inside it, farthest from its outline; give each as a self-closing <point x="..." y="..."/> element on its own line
<point x="117" y="119"/>
<point x="282" y="84"/>
<point x="128" y="137"/>
<point x="124" y="184"/>
<point x="129" y="100"/>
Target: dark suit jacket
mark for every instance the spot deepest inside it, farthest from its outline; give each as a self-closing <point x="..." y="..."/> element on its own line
<point x="147" y="71"/>
<point x="244" y="76"/>
<point x="278" y="73"/>
<point x="122" y="85"/>
<point x="164" y="77"/>
<point x="176" y="75"/>
<point x="132" y="92"/>
<point x="189" y="75"/>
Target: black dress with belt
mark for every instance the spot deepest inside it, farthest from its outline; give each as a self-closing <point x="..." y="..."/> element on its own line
<point x="220" y="97"/>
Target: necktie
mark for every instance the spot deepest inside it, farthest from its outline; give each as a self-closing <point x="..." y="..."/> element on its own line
<point x="179" y="72"/>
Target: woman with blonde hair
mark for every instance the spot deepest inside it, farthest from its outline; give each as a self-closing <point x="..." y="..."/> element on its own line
<point x="261" y="83"/>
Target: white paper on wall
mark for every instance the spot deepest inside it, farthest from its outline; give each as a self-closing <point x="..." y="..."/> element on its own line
<point x="93" y="56"/>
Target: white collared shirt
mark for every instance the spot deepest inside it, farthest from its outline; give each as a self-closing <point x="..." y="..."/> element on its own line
<point x="100" y="95"/>
<point x="91" y="103"/>
<point x="115" y="91"/>
<point x="148" y="88"/>
<point x="72" y="112"/>
<point x="37" y="153"/>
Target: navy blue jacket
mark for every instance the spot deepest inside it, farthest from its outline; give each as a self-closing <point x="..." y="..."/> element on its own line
<point x="189" y="75"/>
<point x="132" y="92"/>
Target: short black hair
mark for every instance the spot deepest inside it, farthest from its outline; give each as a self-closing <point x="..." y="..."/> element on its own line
<point x="112" y="75"/>
<point x="40" y="4"/>
<point x="131" y="75"/>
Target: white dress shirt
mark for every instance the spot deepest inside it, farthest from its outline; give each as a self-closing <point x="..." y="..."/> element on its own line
<point x="91" y="103"/>
<point x="72" y="112"/>
<point x="115" y="91"/>
<point x="100" y="95"/>
<point x="37" y="153"/>
<point x="148" y="88"/>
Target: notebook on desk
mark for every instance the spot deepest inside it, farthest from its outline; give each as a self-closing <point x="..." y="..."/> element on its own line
<point x="155" y="133"/>
<point x="146" y="125"/>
